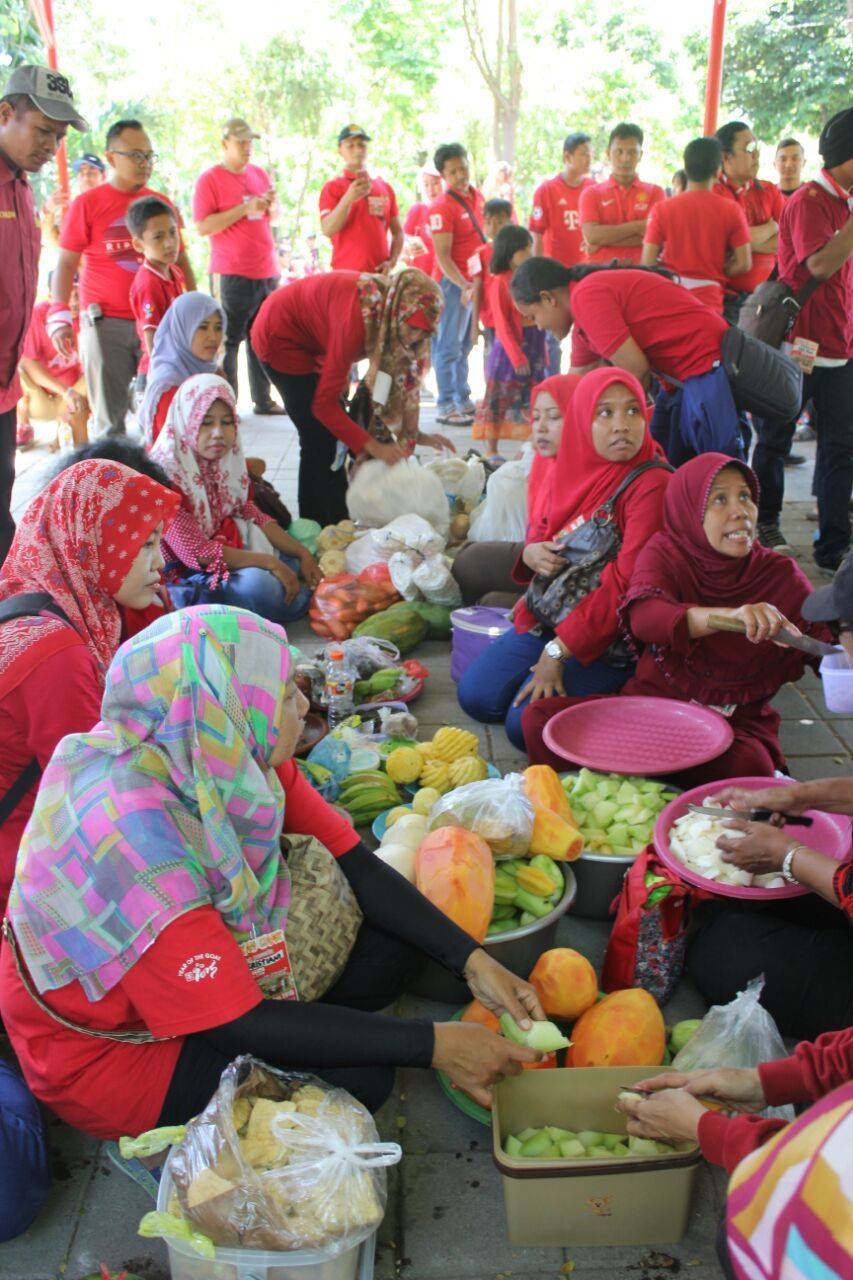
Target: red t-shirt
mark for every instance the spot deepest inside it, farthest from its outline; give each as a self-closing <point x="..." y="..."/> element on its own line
<point x="487" y="281"/>
<point x="695" y="233"/>
<point x="362" y="243"/>
<point x="556" y="216"/>
<point x="678" y="335"/>
<point x="448" y="217"/>
<point x="38" y="346"/>
<point x="247" y="247"/>
<point x="417" y="224"/>
<point x="315" y="325"/>
<point x="760" y="201"/>
<point x="610" y="204"/>
<point x="151" y="295"/>
<point x="507" y="318"/>
<point x="95" y="225"/>
<point x="810" y="218"/>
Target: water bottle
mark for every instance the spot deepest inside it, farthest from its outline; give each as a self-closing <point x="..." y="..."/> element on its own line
<point x="339" y="688"/>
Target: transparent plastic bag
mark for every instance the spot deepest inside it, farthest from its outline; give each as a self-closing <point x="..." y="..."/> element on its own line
<point x="496" y="809"/>
<point x="281" y="1161"/>
<point x="333" y="754"/>
<point x="363" y="552"/>
<point x="402" y="567"/>
<point x="340" y="603"/>
<point x="502" y="516"/>
<point x="377" y="494"/>
<point x="434" y="581"/>
<point x="739" y="1034"/>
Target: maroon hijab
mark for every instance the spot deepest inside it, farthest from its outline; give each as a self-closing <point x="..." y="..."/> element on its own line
<point x="680" y="565"/>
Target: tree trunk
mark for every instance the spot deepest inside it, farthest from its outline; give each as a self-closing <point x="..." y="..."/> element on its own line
<point x="502" y="72"/>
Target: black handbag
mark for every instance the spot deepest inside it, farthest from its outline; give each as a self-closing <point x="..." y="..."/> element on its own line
<point x="770" y="310"/>
<point x="587" y="550"/>
<point x="762" y="379"/>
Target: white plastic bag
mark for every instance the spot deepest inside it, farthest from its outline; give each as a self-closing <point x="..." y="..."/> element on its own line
<point x="378" y="493"/>
<point x="462" y="480"/>
<point x="739" y="1034"/>
<point x="364" y="552"/>
<point x="432" y="577"/>
<point x="409" y="533"/>
<point x="496" y="809"/>
<point x="502" y="516"/>
<point x="402" y="566"/>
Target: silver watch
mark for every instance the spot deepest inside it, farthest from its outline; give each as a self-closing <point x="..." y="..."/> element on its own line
<point x="554" y="649"/>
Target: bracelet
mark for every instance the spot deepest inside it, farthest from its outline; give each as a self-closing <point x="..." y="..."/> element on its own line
<point x="787" y="873"/>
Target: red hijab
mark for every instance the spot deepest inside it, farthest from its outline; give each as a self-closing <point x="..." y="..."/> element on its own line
<point x="582" y="480"/>
<point x="77" y="541"/>
<point x="680" y="564"/>
<point x="561" y="388"/>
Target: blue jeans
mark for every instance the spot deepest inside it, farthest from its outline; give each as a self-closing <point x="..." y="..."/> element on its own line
<point x="488" y="687"/>
<point x="253" y="589"/>
<point x="24" y="1174"/>
<point x="451" y="347"/>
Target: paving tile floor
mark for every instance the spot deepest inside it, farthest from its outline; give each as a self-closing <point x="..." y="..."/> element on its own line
<point x="445" y="1213"/>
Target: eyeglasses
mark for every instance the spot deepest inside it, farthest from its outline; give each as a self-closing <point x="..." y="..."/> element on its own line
<point x="138" y="157"/>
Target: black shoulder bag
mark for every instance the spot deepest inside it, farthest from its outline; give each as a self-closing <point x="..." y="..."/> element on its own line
<point x="469" y="209"/>
<point x="25" y="605"/>
<point x="586" y="551"/>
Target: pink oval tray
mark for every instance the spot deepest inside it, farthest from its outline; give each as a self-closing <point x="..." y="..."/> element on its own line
<point x="638" y="735"/>
<point x="829" y="834"/>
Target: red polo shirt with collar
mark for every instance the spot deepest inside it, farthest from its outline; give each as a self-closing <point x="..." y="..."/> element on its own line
<point x="449" y="215"/>
<point x="20" y="240"/>
<point x="556" y="217"/>
<point x="362" y="243"/>
<point x="610" y="204"/>
<point x="760" y="201"/>
<point x="811" y="217"/>
<point x="151" y="295"/>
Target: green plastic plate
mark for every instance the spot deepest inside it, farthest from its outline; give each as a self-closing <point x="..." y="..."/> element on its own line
<point x="459" y="1098"/>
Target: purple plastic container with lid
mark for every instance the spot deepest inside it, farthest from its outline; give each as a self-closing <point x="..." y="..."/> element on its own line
<point x="473" y="630"/>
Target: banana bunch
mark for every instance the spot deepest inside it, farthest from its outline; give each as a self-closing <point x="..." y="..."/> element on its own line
<point x="365" y="795"/>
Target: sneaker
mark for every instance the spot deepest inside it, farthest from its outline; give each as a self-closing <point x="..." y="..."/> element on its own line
<point x="795" y="460"/>
<point x="828" y="564"/>
<point x="270" y="410"/>
<point x="770" y="535"/>
<point x="24" y="435"/>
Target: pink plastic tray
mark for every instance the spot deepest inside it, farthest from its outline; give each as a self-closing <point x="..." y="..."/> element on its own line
<point x="638" y="735"/>
<point x="829" y="834"/>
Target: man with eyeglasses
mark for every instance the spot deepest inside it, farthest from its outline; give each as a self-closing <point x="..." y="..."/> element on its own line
<point x="761" y="203"/>
<point x="95" y="230"/>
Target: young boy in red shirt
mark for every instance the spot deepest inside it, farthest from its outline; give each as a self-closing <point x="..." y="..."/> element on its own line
<point x="703" y="239"/>
<point x="155" y="234"/>
<point x="613" y="213"/>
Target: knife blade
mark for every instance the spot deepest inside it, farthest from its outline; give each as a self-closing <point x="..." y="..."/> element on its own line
<point x="750" y="815"/>
<point x="806" y="644"/>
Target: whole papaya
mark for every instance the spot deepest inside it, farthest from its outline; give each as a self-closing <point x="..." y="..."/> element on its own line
<point x="625" y="1029"/>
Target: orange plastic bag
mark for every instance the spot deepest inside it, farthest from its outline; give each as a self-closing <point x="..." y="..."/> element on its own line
<point x="342" y="602"/>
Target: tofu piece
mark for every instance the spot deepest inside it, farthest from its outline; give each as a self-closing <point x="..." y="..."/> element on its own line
<point x="241" y="1113"/>
<point x="206" y="1186"/>
<point x="263" y="1147"/>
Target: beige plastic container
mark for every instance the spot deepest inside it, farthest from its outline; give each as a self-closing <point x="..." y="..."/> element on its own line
<point x="632" y="1200"/>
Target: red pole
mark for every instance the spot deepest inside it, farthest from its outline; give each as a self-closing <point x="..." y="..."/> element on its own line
<point x="714" y="83"/>
<point x="43" y="14"/>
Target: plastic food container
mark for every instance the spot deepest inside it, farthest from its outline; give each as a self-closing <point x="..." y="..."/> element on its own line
<point x="586" y="1202"/>
<point x="257" y="1264"/>
<point x="472" y="631"/>
<point x="837" y="676"/>
<point x="518" y="950"/>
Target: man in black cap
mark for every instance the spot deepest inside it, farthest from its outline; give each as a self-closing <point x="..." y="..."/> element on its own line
<point x="834" y="603"/>
<point x="816" y="244"/>
<point x="358" y="213"/>
<point x="36" y="109"/>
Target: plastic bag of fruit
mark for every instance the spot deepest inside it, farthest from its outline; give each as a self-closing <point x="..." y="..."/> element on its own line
<point x="496" y="809"/>
<point x="340" y="603"/>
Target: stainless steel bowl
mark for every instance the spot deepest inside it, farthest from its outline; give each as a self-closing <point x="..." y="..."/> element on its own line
<point x="599" y="877"/>
<point x="518" y="950"/>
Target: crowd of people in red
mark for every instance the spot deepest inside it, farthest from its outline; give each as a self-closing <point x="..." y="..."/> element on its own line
<point x="644" y="423"/>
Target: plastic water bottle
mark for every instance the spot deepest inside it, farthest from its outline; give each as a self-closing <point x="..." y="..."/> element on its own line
<point x="339" y="688"/>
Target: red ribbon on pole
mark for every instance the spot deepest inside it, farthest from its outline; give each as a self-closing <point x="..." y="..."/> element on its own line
<point x="43" y="14"/>
<point x="714" y="85"/>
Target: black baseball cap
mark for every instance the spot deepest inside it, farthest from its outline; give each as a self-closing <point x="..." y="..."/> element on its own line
<point x="89" y="157"/>
<point x="833" y="602"/>
<point x="352" y="131"/>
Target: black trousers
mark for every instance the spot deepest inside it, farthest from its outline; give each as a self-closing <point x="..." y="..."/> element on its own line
<point x="804" y="948"/>
<point x="241" y="298"/>
<point x="7" y="479"/>
<point x="322" y="492"/>
<point x="379" y="970"/>
<point x="831" y="391"/>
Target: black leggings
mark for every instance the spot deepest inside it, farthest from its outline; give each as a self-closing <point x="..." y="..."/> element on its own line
<point x="379" y="970"/>
<point x="322" y="492"/>
<point x="804" y="948"/>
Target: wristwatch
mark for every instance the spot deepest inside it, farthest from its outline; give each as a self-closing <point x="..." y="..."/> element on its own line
<point x="786" y="872"/>
<point x="554" y="649"/>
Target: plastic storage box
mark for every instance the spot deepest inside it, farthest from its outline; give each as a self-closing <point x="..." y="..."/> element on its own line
<point x="472" y="631"/>
<point x="632" y="1200"/>
<point x="837" y="676"/>
<point x="257" y="1264"/>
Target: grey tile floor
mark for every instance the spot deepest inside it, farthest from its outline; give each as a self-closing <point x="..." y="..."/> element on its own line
<point x="445" y="1213"/>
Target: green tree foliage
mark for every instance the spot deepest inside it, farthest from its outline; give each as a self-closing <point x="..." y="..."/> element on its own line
<point x="19" y="37"/>
<point x="788" y="65"/>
